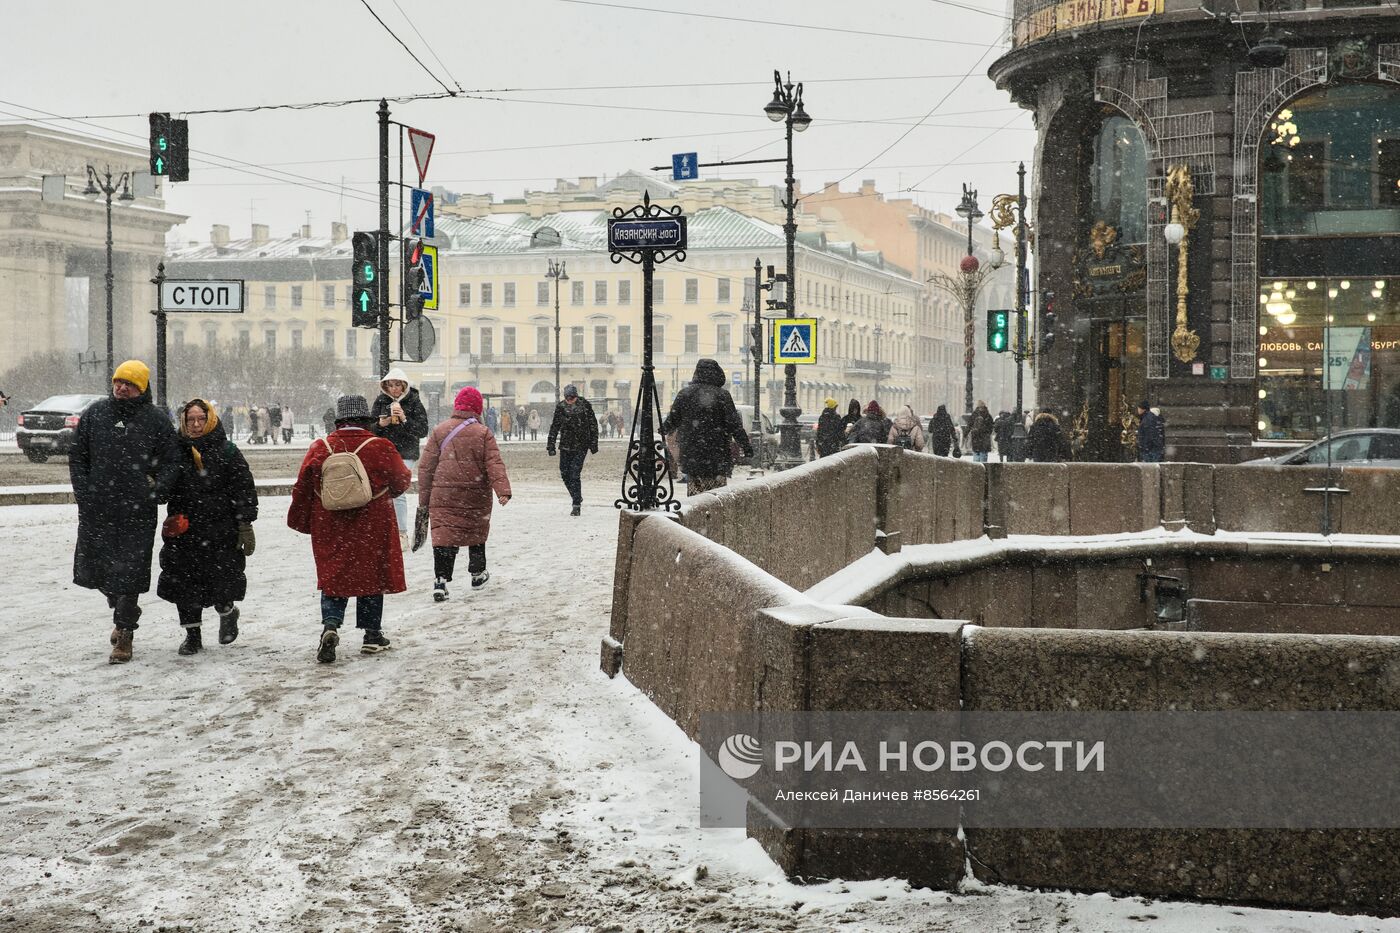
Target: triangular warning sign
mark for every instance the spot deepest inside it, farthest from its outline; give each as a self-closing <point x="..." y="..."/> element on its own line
<point x="794" y="345"/>
<point x="422" y="145"/>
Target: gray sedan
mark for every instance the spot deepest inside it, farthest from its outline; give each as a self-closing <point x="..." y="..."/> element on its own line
<point x="1374" y="447"/>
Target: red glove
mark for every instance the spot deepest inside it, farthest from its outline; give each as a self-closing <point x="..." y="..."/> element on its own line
<point x="174" y="526"/>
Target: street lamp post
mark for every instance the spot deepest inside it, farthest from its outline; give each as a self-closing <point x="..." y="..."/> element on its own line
<point x="557" y="273"/>
<point x="879" y="332"/>
<point x="102" y="183"/>
<point x="786" y="107"/>
<point x="969" y="211"/>
<point x="1008" y="210"/>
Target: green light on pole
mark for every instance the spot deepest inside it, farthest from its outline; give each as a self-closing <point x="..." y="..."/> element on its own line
<point x="998" y="331"/>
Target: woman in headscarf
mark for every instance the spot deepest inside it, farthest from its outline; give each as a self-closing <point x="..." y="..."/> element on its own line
<point x="208" y="531"/>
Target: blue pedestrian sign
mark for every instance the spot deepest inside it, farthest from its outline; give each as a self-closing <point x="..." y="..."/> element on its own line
<point x="422" y="213"/>
<point x="685" y="166"/>
<point x="795" y="340"/>
<point x="429" y="289"/>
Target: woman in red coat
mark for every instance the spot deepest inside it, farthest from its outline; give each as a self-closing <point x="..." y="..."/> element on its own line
<point x="357" y="550"/>
<point x="460" y="468"/>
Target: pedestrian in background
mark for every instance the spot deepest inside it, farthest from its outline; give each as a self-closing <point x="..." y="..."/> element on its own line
<point x="1046" y="441"/>
<point x="506" y="423"/>
<point x="521" y="416"/>
<point x="534" y="424"/>
<point x="831" y="430"/>
<point x="493" y="420"/>
<point x="906" y="431"/>
<point x="356" y="549"/>
<point x="943" y="436"/>
<point x="851" y="417"/>
<point x="207" y="535"/>
<point x="460" y="470"/>
<point x="1003" y="429"/>
<point x="264" y="423"/>
<point x="706" y="424"/>
<point x="123" y="464"/>
<point x="401" y="418"/>
<point x="872" y="428"/>
<point x="288" y="426"/>
<point x="253" y="433"/>
<point x="979" y="432"/>
<point x="1152" y="433"/>
<point x="575" y="432"/>
<point x="328" y="420"/>
<point x="275" y="414"/>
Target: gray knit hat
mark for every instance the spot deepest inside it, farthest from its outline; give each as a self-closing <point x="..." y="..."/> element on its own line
<point x="350" y="407"/>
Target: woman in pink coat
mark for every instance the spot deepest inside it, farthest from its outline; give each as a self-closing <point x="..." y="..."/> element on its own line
<point x="460" y="468"/>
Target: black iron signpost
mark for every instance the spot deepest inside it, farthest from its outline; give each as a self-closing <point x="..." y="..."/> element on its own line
<point x="647" y="234"/>
<point x="199" y="295"/>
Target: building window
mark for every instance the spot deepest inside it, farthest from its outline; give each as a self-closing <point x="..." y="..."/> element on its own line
<point x="658" y="291"/>
<point x="179" y="335"/>
<point x="624" y="338"/>
<point x="542" y="294"/>
<point x="576" y="341"/>
<point x="600" y="293"/>
<point x="486" y="297"/>
<point x="351" y="343"/>
<point x="296" y="296"/>
<point x="508" y="340"/>
<point x="270" y="296"/>
<point x="692" y="338"/>
<point x="464" y="295"/>
<point x="296" y="340"/>
<point x="464" y="341"/>
<point x="211" y="340"/>
<point x="600" y="341"/>
<point x="270" y="341"/>
<point x="508" y="389"/>
<point x="692" y="291"/>
<point x="349" y="293"/>
<point x="658" y="338"/>
<point x="328" y="296"/>
<point x="542" y="341"/>
<point x="722" y="332"/>
<point x="245" y="340"/>
<point x="508" y="296"/>
<point x="624" y="292"/>
<point x="328" y="341"/>
<point x="488" y="336"/>
<point x="1119" y="179"/>
<point x="722" y="291"/>
<point x="576" y="292"/>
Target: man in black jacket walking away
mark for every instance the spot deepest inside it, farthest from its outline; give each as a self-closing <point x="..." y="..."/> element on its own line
<point x="124" y="460"/>
<point x="1152" y="434"/>
<point x="574" y="433"/>
<point x="706" y="420"/>
<point x="831" y="430"/>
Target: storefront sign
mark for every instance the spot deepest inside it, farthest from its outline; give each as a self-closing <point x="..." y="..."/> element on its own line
<point x="1348" y="353"/>
<point x="1079" y="14"/>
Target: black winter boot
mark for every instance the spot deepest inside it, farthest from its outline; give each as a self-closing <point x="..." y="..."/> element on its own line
<point x="193" y="643"/>
<point x="375" y="642"/>
<point x="329" y="639"/>
<point x="228" y="624"/>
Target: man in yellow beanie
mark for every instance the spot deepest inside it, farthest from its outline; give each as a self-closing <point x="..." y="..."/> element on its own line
<point x="124" y="461"/>
<point x="831" y="431"/>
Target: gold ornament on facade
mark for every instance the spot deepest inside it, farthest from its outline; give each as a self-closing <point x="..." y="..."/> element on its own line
<point x="1102" y="237"/>
<point x="1079" y="432"/>
<point x="1129" y="420"/>
<point x="1180" y="194"/>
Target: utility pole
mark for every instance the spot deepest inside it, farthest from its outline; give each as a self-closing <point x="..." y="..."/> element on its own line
<point x="107" y="187"/>
<point x="558" y="274"/>
<point x="383" y="237"/>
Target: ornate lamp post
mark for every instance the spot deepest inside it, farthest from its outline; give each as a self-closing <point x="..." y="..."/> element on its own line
<point x="557" y="273"/>
<point x="106" y="186"/>
<point x="965" y="286"/>
<point x="786" y="107"/>
<point x="1008" y="209"/>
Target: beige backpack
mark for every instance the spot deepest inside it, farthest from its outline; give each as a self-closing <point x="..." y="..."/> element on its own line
<point x="344" y="482"/>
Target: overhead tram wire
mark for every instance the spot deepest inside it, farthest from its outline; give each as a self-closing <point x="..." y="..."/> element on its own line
<point x="432" y="51"/>
<point x="766" y="22"/>
<point x="450" y="92"/>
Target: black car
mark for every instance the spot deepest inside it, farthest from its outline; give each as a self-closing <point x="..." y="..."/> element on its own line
<point x="47" y="428"/>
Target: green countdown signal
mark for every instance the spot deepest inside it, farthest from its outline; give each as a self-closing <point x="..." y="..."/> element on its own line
<point x="998" y="331"/>
<point x="364" y="306"/>
<point x="170" y="147"/>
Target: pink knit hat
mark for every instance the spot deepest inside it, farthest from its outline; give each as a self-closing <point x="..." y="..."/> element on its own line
<point x="468" y="399"/>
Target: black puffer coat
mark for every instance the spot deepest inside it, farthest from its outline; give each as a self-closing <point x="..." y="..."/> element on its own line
<point x="706" y="420"/>
<point x="1047" y="443"/>
<point x="870" y="429"/>
<point x="979" y="430"/>
<point x="573" y="427"/>
<point x="122" y="464"/>
<point x="941" y="434"/>
<point x="831" y="432"/>
<point x="204" y="565"/>
<point x="404" y="437"/>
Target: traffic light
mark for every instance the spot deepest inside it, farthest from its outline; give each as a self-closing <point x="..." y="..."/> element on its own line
<point x="413" y="277"/>
<point x="364" y="277"/>
<point x="998" y="331"/>
<point x="170" y="147"/>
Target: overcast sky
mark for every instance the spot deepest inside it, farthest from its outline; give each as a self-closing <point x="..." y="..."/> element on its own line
<point x="113" y="62"/>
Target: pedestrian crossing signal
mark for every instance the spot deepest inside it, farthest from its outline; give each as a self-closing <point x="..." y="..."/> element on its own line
<point x="998" y="331"/>
<point x="364" y="277"/>
<point x="170" y="147"/>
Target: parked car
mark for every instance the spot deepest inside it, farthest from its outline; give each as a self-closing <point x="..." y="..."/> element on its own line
<point x="1374" y="447"/>
<point x="47" y="428"/>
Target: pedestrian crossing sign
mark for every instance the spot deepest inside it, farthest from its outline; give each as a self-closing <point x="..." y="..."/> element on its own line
<point x="794" y="340"/>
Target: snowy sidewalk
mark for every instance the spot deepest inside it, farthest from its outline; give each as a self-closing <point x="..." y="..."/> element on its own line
<point x="482" y="775"/>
